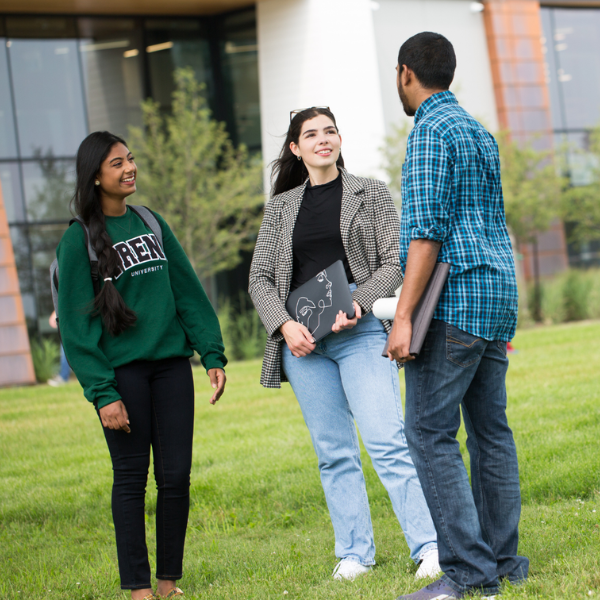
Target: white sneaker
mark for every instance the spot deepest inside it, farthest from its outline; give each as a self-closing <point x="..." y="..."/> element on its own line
<point x="56" y="381"/>
<point x="349" y="569"/>
<point x="429" y="565"/>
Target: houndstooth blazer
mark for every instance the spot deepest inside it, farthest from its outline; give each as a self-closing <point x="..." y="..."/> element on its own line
<point x="370" y="230"/>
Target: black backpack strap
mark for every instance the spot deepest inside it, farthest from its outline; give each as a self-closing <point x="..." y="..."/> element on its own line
<point x="91" y="254"/>
<point x="147" y="216"/>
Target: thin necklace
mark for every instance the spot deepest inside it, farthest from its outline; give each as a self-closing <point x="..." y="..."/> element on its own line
<point x="125" y="229"/>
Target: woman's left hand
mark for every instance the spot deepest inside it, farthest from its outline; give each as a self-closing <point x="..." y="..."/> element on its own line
<point x="343" y="322"/>
<point x="217" y="380"/>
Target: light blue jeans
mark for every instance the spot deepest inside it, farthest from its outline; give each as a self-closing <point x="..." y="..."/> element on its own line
<point x="346" y="380"/>
<point x="65" y="369"/>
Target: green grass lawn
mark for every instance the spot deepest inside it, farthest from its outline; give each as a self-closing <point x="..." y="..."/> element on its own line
<point x="258" y="525"/>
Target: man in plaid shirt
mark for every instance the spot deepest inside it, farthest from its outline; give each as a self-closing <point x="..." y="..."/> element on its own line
<point x="453" y="212"/>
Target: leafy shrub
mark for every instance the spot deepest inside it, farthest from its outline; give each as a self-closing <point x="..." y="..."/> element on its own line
<point x="594" y="297"/>
<point x="553" y="306"/>
<point x="524" y="318"/>
<point x="576" y="294"/>
<point x="244" y="335"/>
<point x="571" y="296"/>
<point x="45" y="355"/>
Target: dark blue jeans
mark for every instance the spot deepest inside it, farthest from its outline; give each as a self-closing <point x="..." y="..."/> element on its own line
<point x="159" y="398"/>
<point x="477" y="524"/>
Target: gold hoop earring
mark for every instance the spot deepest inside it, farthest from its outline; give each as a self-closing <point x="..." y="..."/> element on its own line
<point x="97" y="182"/>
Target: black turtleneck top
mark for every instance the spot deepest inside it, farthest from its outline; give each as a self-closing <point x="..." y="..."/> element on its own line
<point x="317" y="240"/>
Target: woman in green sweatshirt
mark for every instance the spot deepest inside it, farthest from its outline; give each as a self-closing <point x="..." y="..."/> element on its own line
<point x="129" y="346"/>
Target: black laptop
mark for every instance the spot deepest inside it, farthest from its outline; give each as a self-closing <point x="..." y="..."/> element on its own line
<point x="316" y="303"/>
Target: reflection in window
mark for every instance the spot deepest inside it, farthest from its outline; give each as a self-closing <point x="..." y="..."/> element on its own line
<point x="110" y="56"/>
<point x="172" y="44"/>
<point x="49" y="186"/>
<point x="582" y="164"/>
<point x="11" y="191"/>
<point x="239" y="55"/>
<point x="43" y="240"/>
<point x="531" y="96"/>
<point x="573" y="40"/>
<point x="8" y="140"/>
<point x="551" y="69"/>
<point x="62" y="77"/>
<point x="571" y="46"/>
<point x="533" y="120"/>
<point x="20" y="243"/>
<point x="48" y="96"/>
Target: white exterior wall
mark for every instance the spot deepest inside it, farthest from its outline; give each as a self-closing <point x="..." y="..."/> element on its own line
<point x="321" y="53"/>
<point x="343" y="54"/>
<point x="397" y="20"/>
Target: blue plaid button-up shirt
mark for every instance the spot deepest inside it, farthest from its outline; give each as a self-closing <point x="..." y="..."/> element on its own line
<point x="451" y="193"/>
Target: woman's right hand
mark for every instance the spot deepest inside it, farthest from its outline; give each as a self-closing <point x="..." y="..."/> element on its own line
<point x="114" y="416"/>
<point x="298" y="338"/>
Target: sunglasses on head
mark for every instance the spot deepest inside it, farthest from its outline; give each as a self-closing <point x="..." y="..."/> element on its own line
<point x="293" y="113"/>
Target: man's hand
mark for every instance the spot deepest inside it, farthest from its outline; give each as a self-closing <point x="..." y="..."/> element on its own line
<point x="217" y="380"/>
<point x="298" y="338"/>
<point x="343" y="322"/>
<point x="399" y="341"/>
<point x="114" y="416"/>
<point x="422" y="256"/>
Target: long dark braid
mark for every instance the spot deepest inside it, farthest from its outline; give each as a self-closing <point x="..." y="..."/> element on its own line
<point x="288" y="172"/>
<point x="109" y="304"/>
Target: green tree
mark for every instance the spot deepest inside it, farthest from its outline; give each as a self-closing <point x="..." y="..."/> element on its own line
<point x="394" y="152"/>
<point x="581" y="205"/>
<point x="209" y="192"/>
<point x="533" y="190"/>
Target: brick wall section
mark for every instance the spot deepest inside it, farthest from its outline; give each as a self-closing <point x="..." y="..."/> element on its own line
<point x="16" y="366"/>
<point x="514" y="32"/>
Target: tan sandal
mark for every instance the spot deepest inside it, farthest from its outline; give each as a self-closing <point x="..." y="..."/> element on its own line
<point x="150" y="597"/>
<point x="174" y="593"/>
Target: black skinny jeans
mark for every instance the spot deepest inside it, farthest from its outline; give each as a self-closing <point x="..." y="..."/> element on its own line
<point x="159" y="398"/>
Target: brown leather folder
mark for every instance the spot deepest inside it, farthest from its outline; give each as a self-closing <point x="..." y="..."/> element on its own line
<point x="423" y="313"/>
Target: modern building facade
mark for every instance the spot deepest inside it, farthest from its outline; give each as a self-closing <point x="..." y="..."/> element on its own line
<point x="69" y="67"/>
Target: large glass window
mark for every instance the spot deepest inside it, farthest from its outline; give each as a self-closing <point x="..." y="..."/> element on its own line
<point x="48" y="96"/>
<point x="572" y="50"/>
<point x="64" y="77"/>
<point x="111" y="60"/>
<point x="43" y="241"/>
<point x="575" y="35"/>
<point x="239" y="49"/>
<point x="8" y="139"/>
<point x="11" y="191"/>
<point x="48" y="185"/>
<point x="172" y="44"/>
<point x="21" y="249"/>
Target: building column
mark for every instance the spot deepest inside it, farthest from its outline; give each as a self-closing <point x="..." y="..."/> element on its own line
<point x="321" y="53"/>
<point x="16" y="366"/>
<point x="514" y="33"/>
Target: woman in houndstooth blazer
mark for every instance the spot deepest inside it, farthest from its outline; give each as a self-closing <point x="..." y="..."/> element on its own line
<point x="343" y="378"/>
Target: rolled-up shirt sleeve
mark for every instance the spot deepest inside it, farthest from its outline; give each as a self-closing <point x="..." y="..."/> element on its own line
<point x="428" y="186"/>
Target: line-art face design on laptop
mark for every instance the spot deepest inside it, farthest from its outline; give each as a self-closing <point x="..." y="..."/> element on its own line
<point x="305" y="307"/>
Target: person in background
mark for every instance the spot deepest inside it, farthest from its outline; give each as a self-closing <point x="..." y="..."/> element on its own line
<point x="453" y="212"/>
<point x="319" y="214"/>
<point x="65" y="370"/>
<point x="130" y="347"/>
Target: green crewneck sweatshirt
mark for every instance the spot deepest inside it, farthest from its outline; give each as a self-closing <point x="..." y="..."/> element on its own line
<point x="174" y="315"/>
